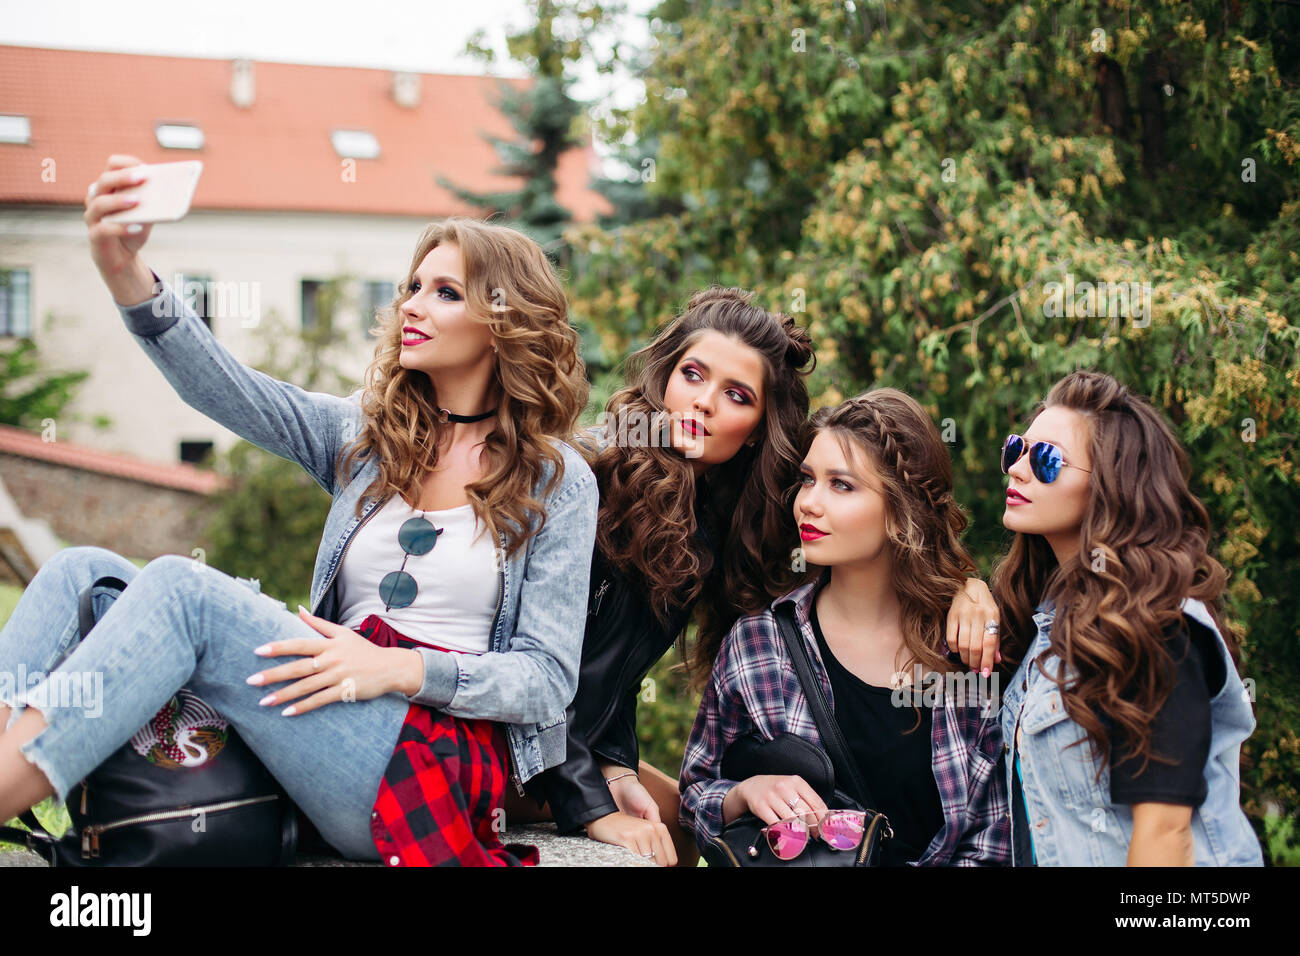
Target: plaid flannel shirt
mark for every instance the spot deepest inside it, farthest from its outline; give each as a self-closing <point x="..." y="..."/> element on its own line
<point x="438" y="800"/>
<point x="754" y="687"/>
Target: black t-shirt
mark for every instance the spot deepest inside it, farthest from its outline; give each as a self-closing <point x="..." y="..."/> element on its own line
<point x="1180" y="731"/>
<point x="893" y="758"/>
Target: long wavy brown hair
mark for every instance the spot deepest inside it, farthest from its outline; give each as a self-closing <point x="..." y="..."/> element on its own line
<point x="541" y="382"/>
<point x="648" y="494"/>
<point x="1142" y="548"/>
<point x="923" y="521"/>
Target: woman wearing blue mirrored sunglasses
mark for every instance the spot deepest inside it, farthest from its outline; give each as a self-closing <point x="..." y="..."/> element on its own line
<point x="1129" y="753"/>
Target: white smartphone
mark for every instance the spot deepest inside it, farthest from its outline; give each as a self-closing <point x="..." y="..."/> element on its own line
<point x="164" y="196"/>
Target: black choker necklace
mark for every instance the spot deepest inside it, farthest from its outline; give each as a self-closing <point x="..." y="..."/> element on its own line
<point x="447" y="416"/>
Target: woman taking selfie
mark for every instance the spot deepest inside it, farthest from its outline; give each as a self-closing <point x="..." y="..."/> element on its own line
<point x="875" y="511"/>
<point x="447" y="599"/>
<point x="1125" y="714"/>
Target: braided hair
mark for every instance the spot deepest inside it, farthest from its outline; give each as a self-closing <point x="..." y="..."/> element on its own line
<point x="891" y="432"/>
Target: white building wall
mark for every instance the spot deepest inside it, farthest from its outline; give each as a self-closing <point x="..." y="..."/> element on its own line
<point x="76" y="326"/>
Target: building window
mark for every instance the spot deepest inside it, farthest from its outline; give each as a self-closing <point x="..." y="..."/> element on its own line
<point x="15" y="129"/>
<point x="355" y="143"/>
<point x="193" y="290"/>
<point x="312" y="302"/>
<point x="15" y="302"/>
<point x="374" y="296"/>
<point x="195" y="452"/>
<point x="179" y="136"/>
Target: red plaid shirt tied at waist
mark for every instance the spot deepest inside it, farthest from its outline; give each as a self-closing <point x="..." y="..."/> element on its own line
<point x="438" y="800"/>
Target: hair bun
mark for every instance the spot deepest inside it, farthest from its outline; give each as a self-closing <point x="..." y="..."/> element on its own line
<point x="799" y="349"/>
<point x="717" y="293"/>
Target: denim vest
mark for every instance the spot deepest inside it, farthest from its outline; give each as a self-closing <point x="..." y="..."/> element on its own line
<point x="541" y="626"/>
<point x="1071" y="817"/>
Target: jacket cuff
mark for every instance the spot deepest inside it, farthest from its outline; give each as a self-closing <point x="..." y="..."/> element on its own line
<point x="441" y="677"/>
<point x="568" y="822"/>
<point x="154" y="315"/>
<point x="614" y="755"/>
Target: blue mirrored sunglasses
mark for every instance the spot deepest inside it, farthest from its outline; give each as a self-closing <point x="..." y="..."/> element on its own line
<point x="1045" y="459"/>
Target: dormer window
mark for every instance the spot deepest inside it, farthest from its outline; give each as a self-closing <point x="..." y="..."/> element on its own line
<point x="15" y="129"/>
<point x="355" y="143"/>
<point x="179" y="136"/>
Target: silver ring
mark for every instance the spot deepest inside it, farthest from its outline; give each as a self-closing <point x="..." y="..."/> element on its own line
<point x="991" y="627"/>
<point x="315" y="662"/>
<point x="650" y="855"/>
<point x="795" y="802"/>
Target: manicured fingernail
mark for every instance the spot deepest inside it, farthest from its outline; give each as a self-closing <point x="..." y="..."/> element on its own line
<point x="268" y="699"/>
<point x="262" y="651"/>
<point x="303" y="610"/>
<point x="984" y="672"/>
<point x="255" y="679"/>
<point x="289" y="711"/>
<point x="134" y="228"/>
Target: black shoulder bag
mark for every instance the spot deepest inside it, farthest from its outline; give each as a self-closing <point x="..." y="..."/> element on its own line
<point x="740" y="843"/>
<point x="184" y="791"/>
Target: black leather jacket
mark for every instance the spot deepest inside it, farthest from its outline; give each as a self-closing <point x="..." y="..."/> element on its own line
<point x="623" y="640"/>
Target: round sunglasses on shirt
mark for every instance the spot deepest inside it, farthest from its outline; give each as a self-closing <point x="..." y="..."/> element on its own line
<point x="416" y="536"/>
<point x="1045" y="459"/>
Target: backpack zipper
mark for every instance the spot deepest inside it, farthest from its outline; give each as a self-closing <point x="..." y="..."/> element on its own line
<point x="90" y="834"/>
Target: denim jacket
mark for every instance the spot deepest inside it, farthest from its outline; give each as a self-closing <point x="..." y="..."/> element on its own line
<point x="530" y="672"/>
<point x="1071" y="817"/>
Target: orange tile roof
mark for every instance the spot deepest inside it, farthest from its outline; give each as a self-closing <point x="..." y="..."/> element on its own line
<point x="183" y="477"/>
<point x="276" y="154"/>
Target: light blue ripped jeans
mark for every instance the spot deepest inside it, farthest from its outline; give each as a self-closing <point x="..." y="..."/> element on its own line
<point x="184" y="624"/>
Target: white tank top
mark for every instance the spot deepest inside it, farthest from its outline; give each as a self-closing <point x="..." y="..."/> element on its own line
<point x="457" y="581"/>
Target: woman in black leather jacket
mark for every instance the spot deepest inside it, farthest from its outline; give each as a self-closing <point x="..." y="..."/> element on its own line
<point x="691" y="453"/>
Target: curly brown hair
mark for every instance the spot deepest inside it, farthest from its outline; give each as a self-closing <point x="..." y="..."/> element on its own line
<point x="648" y="494"/>
<point x="924" y="523"/>
<point x="541" y="382"/>
<point x="1153" y="534"/>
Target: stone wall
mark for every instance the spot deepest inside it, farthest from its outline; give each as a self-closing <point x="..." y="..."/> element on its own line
<point x="134" y="518"/>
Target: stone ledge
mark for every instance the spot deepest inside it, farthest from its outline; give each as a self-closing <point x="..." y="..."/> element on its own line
<point x="553" y="850"/>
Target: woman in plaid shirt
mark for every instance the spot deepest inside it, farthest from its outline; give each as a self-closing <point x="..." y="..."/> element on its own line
<point x="876" y="513"/>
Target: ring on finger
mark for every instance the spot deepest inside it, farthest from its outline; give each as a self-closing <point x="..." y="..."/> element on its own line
<point x="315" y="663"/>
<point x="991" y="627"/>
<point x="90" y="193"/>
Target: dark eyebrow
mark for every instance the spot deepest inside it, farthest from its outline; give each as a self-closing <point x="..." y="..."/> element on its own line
<point x="834" y="472"/>
<point x="730" y="381"/>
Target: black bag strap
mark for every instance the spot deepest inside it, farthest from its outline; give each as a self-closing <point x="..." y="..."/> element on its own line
<point x="86" y="603"/>
<point x="846" y="769"/>
<point x="38" y="840"/>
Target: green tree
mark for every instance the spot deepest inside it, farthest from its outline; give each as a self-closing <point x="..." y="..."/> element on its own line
<point x="547" y="119"/>
<point x="29" y="393"/>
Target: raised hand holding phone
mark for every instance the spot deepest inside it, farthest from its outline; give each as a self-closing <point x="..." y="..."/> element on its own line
<point x="114" y="246"/>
